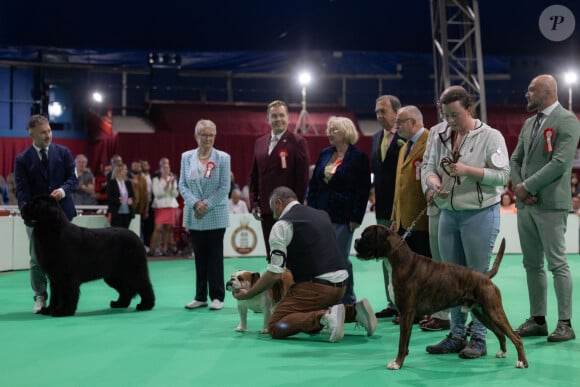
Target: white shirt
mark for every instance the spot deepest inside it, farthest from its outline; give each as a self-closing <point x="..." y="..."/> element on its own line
<point x="281" y="236"/>
<point x="240" y="208"/>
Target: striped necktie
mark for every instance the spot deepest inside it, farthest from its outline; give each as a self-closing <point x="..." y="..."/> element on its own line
<point x="537" y="124"/>
<point x="273" y="142"/>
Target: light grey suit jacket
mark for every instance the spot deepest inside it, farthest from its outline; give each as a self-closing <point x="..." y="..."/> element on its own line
<point x="547" y="173"/>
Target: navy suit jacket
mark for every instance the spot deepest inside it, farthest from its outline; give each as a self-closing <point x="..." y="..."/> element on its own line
<point x="33" y="179"/>
<point x="346" y="194"/>
<point x="269" y="171"/>
<point x="385" y="174"/>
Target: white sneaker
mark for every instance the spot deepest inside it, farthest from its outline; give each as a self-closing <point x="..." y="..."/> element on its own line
<point x="195" y="304"/>
<point x="365" y="316"/>
<point x="216" y="304"/>
<point x="334" y="321"/>
<point x="39" y="303"/>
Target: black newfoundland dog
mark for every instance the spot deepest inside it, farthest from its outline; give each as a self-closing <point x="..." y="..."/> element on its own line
<point x="71" y="255"/>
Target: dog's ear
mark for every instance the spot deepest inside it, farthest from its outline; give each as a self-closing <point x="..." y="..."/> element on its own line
<point x="255" y="277"/>
<point x="382" y="233"/>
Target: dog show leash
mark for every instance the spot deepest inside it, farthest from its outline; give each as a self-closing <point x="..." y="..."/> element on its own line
<point x="445" y="162"/>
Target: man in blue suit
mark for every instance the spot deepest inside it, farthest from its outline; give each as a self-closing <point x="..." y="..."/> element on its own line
<point x="44" y="169"/>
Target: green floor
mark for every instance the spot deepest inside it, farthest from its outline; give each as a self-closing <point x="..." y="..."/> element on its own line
<point x="171" y="346"/>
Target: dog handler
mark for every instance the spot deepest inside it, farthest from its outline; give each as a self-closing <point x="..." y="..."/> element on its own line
<point x="303" y="241"/>
<point x="468" y="166"/>
<point x="44" y="169"/>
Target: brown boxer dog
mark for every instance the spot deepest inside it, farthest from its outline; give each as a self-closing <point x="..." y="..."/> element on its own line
<point x="423" y="286"/>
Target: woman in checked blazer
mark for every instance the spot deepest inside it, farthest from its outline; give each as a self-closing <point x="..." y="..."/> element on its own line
<point x="204" y="183"/>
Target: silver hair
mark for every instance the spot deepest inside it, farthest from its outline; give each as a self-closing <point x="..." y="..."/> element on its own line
<point x="203" y="123"/>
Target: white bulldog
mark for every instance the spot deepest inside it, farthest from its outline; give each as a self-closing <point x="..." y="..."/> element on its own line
<point x="264" y="302"/>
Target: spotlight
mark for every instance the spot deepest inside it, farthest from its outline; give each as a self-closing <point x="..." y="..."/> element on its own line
<point x="54" y="109"/>
<point x="160" y="60"/>
<point x="570" y="78"/>
<point x="98" y="97"/>
<point x="304" y="78"/>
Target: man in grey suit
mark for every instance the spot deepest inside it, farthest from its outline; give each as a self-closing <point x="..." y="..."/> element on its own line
<point x="541" y="166"/>
<point x="44" y="168"/>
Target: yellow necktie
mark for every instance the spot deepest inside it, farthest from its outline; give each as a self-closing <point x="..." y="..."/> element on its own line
<point x="384" y="146"/>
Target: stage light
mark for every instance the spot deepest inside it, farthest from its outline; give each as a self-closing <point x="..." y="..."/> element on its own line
<point x="54" y="109"/>
<point x="570" y="78"/>
<point x="164" y="60"/>
<point x="304" y="121"/>
<point x="304" y="78"/>
<point x="98" y="97"/>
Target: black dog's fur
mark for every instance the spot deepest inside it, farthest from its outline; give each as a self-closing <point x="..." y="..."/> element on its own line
<point x="71" y="255"/>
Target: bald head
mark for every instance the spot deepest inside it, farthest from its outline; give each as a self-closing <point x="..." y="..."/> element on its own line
<point x="542" y="92"/>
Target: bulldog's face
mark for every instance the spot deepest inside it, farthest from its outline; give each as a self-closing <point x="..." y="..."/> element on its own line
<point x="242" y="279"/>
<point x="372" y="243"/>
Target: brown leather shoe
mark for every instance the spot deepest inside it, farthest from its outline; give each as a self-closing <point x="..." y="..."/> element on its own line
<point x="435" y="324"/>
<point x="415" y="321"/>
<point x="387" y="312"/>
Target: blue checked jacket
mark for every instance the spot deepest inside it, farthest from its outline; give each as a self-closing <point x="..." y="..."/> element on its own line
<point x="194" y="186"/>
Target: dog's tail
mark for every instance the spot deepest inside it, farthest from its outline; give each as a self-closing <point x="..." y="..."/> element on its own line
<point x="497" y="261"/>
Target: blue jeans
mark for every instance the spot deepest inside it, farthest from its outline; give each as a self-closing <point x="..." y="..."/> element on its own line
<point x="344" y="242"/>
<point x="467" y="238"/>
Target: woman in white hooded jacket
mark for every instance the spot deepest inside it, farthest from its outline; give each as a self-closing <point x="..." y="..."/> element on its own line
<point x="467" y="169"/>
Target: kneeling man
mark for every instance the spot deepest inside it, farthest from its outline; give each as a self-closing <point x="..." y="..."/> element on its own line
<point x="302" y="240"/>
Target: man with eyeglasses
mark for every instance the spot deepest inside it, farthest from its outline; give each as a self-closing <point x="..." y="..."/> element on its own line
<point x="409" y="200"/>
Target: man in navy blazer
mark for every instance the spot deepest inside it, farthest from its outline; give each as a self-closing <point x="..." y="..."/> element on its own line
<point x="44" y="169"/>
<point x="384" y="169"/>
<point x="280" y="159"/>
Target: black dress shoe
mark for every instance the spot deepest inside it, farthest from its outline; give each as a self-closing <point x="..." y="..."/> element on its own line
<point x="563" y="332"/>
<point x="531" y="328"/>
<point x="387" y="312"/>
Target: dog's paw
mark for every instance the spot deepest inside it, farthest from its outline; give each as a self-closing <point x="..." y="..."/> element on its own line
<point x="501" y="354"/>
<point x="264" y="331"/>
<point x="117" y="304"/>
<point x="144" y="306"/>
<point x="393" y="365"/>
<point x="521" y="364"/>
<point x="62" y="313"/>
<point x="240" y="328"/>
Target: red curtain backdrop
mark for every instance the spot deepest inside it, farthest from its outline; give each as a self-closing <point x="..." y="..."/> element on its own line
<point x="238" y="127"/>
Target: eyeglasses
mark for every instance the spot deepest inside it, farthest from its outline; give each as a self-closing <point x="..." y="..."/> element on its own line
<point x="332" y="130"/>
<point x="204" y="135"/>
<point x="399" y="122"/>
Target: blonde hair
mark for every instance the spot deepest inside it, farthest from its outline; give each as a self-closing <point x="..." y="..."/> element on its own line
<point x="117" y="171"/>
<point x="276" y="103"/>
<point x="345" y="126"/>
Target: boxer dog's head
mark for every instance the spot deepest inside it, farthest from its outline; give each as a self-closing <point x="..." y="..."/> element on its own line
<point x="242" y="279"/>
<point x="376" y="242"/>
